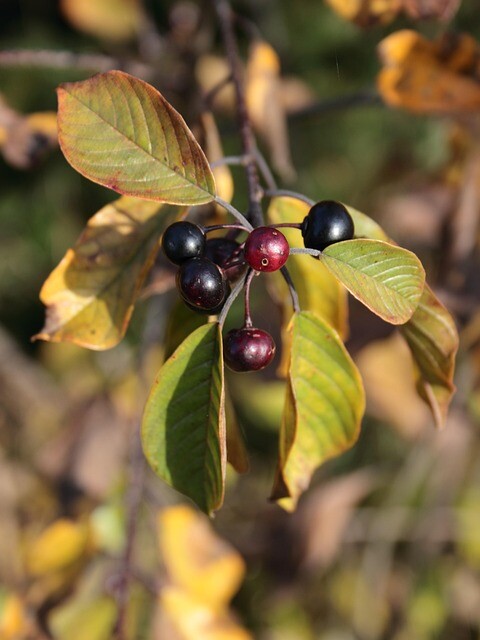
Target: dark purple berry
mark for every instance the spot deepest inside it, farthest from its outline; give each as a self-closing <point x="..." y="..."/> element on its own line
<point x="327" y="222"/>
<point x="183" y="241"/>
<point x="202" y="283"/>
<point x="248" y="349"/>
<point x="266" y="249"/>
<point x="228" y="255"/>
<point x="211" y="312"/>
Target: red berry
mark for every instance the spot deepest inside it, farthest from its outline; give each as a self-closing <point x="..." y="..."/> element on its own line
<point x="248" y="349"/>
<point x="266" y="249"/>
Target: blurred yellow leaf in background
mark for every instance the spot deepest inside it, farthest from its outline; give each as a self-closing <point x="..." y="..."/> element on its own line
<point x="196" y="559"/>
<point x="115" y="20"/>
<point x="440" y="76"/>
<point x="60" y="546"/>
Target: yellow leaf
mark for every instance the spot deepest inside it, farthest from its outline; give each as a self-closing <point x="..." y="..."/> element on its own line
<point x="199" y="562"/>
<point x="265" y="106"/>
<point x="78" y="619"/>
<point x="318" y="290"/>
<point x="423" y="76"/>
<point x="388" y="375"/>
<point x="366" y="13"/>
<point x="91" y="293"/>
<point x="115" y="20"/>
<point x="60" y="546"/>
<point x="191" y="619"/>
<point x="210" y="71"/>
<point x="214" y="152"/>
<point x="13" y="618"/>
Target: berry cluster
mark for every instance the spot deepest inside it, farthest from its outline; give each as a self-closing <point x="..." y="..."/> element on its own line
<point x="207" y="266"/>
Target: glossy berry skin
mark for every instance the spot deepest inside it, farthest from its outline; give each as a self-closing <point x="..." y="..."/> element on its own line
<point x="228" y="255"/>
<point x="248" y="349"/>
<point x="266" y="249"/>
<point x="327" y="222"/>
<point x="183" y="241"/>
<point x="210" y="312"/>
<point x="202" y="284"/>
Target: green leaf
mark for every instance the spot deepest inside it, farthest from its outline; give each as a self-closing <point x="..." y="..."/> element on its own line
<point x="121" y="132"/>
<point x="324" y="405"/>
<point x="317" y="289"/>
<point x="433" y="340"/>
<point x="365" y="227"/>
<point x="183" y="430"/>
<point x="91" y="293"/>
<point x="387" y="279"/>
<point x="430" y="334"/>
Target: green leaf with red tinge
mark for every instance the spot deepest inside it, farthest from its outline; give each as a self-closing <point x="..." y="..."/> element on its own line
<point x="387" y="279"/>
<point x="91" y="293"/>
<point x="183" y="430"/>
<point x="324" y="405"/>
<point x="433" y="340"/>
<point x="119" y="131"/>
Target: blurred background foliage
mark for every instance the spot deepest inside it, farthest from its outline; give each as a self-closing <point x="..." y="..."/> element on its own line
<point x="386" y="544"/>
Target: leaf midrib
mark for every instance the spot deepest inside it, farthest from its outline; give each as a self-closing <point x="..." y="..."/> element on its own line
<point x="150" y="155"/>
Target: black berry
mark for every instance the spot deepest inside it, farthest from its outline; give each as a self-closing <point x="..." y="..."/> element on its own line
<point x="266" y="249"/>
<point x="327" y="222"/>
<point x="183" y="241"/>
<point x="228" y="255"/>
<point x="248" y="349"/>
<point x="202" y="284"/>
<point x="211" y="312"/>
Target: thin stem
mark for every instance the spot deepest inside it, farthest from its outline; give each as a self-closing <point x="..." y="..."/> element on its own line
<point x="230" y="300"/>
<point x="310" y="252"/>
<point x="224" y="14"/>
<point x="286" y="193"/>
<point x="133" y="500"/>
<point x="290" y="225"/>
<point x="67" y="60"/>
<point x="210" y="96"/>
<point x="218" y="227"/>
<point x="235" y="212"/>
<point x="265" y="171"/>
<point x="248" y="282"/>
<point x="293" y="292"/>
<point x="232" y="160"/>
<point x="364" y="98"/>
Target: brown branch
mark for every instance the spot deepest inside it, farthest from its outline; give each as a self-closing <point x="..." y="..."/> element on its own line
<point x="68" y="60"/>
<point x="225" y="19"/>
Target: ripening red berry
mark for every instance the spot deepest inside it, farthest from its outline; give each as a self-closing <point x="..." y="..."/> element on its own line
<point x="266" y="249"/>
<point x="248" y="349"/>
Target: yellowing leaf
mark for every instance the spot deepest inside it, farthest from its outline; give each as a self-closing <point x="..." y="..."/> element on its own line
<point x="197" y="560"/>
<point x="212" y="70"/>
<point x="91" y="293"/>
<point x="214" y="152"/>
<point x="14" y="623"/>
<point x="60" y="546"/>
<point x="121" y="132"/>
<point x="183" y="430"/>
<point x="265" y="106"/>
<point x="324" y="405"/>
<point x="387" y="279"/>
<point x="433" y="340"/>
<point x="387" y="372"/>
<point x="318" y="290"/>
<point x="189" y="619"/>
<point x="430" y="77"/>
<point x="115" y="20"/>
<point x="365" y="13"/>
<point x="80" y="619"/>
